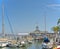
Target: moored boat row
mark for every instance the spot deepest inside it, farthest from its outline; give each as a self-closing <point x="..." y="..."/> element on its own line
<point x="10" y="44"/>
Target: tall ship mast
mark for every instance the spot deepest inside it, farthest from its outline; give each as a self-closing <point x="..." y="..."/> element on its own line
<point x="45" y="22"/>
<point x="3" y="34"/>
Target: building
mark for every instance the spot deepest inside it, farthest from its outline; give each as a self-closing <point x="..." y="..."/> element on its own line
<point x="37" y="34"/>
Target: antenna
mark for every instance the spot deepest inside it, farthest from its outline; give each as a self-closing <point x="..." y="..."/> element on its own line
<point x="3" y="18"/>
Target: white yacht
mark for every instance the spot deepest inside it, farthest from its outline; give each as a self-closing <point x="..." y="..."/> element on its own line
<point x="3" y="44"/>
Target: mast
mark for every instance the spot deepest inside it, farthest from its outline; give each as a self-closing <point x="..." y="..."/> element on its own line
<point x="3" y="34"/>
<point x="45" y="22"/>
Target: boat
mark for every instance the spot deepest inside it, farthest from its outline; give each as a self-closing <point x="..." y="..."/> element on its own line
<point x="29" y="41"/>
<point x="16" y="44"/>
<point x="47" y="44"/>
<point x="56" y="47"/>
<point x="3" y="40"/>
<point x="3" y="44"/>
<point x="57" y="44"/>
<point x="22" y="44"/>
<point x="12" y="45"/>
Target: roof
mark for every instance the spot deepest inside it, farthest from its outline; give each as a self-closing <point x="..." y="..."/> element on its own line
<point x="23" y="33"/>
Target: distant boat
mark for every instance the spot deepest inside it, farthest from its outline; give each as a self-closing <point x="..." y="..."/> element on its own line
<point x="30" y="41"/>
<point x="22" y="43"/>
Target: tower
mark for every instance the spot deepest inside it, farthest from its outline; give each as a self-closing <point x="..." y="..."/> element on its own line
<point x="37" y="27"/>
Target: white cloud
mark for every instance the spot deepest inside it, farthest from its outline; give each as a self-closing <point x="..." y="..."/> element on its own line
<point x="54" y="5"/>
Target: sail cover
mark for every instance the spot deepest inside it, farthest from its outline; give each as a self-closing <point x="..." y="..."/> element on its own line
<point x="46" y="39"/>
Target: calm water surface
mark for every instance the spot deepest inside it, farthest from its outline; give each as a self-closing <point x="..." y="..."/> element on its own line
<point x="35" y="45"/>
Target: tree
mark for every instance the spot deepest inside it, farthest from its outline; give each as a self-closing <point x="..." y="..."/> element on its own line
<point x="55" y="29"/>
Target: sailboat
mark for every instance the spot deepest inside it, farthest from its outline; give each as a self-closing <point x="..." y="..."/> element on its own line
<point x="47" y="43"/>
<point x="3" y="40"/>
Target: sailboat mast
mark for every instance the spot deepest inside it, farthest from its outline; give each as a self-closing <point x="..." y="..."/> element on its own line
<point x="45" y="32"/>
<point x="45" y="23"/>
<point x="3" y="18"/>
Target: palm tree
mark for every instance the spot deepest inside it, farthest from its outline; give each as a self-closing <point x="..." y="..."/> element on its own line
<point x="55" y="29"/>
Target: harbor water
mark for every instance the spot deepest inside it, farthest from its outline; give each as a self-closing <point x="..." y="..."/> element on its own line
<point x="35" y="45"/>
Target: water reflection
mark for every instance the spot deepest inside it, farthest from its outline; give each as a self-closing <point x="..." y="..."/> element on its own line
<point x="4" y="48"/>
<point x="35" y="45"/>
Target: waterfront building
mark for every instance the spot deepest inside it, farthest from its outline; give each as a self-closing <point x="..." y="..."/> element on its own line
<point x="38" y="34"/>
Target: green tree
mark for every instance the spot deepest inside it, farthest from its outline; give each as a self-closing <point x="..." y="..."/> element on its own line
<point x="55" y="29"/>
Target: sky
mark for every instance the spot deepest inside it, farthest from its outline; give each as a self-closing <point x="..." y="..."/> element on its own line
<point x="25" y="15"/>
